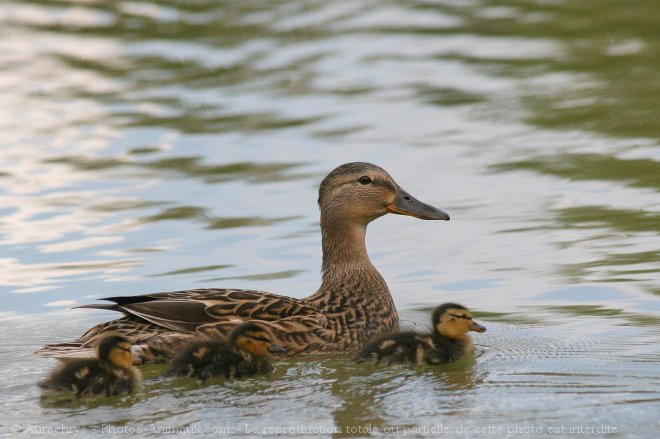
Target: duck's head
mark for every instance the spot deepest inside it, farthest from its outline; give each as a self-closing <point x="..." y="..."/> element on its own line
<point x="116" y="350"/>
<point x="362" y="192"/>
<point x="255" y="339"/>
<point x="454" y="321"/>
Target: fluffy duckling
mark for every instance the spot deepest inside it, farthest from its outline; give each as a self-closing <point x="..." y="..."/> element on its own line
<point x="247" y="352"/>
<point x="111" y="373"/>
<point x="448" y="342"/>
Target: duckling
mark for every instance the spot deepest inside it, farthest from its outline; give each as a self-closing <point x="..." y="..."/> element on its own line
<point x="448" y="342"/>
<point x="245" y="353"/>
<point x="111" y="373"/>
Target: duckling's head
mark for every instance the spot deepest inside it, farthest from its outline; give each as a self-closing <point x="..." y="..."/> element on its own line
<point x="115" y="350"/>
<point x="361" y="192"/>
<point x="454" y="321"/>
<point x="254" y="339"/>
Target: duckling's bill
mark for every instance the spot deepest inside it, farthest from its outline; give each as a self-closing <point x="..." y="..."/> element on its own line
<point x="476" y="327"/>
<point x="406" y="204"/>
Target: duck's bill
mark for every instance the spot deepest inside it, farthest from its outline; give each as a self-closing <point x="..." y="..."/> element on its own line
<point x="406" y="204"/>
<point x="476" y="327"/>
<point x="275" y="349"/>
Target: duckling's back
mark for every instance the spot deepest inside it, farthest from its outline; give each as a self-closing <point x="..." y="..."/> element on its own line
<point x="411" y="347"/>
<point x="206" y="359"/>
<point x="79" y="377"/>
<point x="203" y="359"/>
<point x="88" y="377"/>
<point x="400" y="347"/>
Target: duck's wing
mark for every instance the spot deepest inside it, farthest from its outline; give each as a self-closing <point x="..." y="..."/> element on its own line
<point x="158" y="323"/>
<point x="184" y="311"/>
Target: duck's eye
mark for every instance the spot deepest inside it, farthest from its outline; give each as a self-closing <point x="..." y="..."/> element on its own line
<point x="365" y="179"/>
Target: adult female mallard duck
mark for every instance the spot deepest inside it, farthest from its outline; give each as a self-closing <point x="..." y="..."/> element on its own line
<point x="247" y="352"/>
<point x="111" y="373"/>
<point x="352" y="305"/>
<point x="448" y="342"/>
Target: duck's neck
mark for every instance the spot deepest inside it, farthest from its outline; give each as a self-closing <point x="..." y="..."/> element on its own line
<point x="353" y="294"/>
<point x="348" y="276"/>
<point x="344" y="249"/>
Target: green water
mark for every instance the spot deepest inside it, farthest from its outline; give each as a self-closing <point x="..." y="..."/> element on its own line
<point x="153" y="146"/>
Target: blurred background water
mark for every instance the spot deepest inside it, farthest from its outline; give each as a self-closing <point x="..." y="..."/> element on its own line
<point x="153" y="146"/>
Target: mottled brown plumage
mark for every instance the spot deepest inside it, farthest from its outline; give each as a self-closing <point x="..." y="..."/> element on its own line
<point x="448" y="341"/>
<point x="352" y="304"/>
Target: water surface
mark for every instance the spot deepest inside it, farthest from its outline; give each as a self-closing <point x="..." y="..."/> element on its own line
<point x="153" y="146"/>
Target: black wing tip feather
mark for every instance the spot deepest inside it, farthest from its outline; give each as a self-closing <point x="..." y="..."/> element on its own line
<point x="118" y="301"/>
<point x="112" y="307"/>
<point x="127" y="300"/>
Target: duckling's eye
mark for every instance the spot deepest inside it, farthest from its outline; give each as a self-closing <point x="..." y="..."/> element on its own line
<point x="365" y="179"/>
<point x="464" y="317"/>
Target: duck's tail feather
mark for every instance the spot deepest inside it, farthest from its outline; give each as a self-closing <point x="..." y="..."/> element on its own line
<point x="119" y="301"/>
